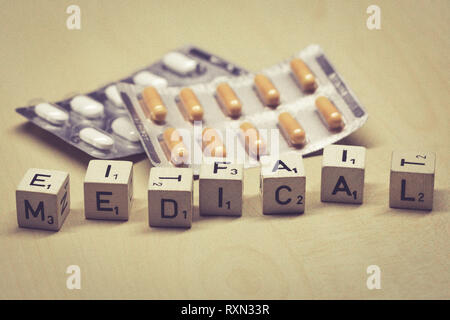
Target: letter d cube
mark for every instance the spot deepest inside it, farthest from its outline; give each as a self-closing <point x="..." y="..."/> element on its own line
<point x="43" y="199"/>
<point x="170" y="197"/>
<point x="108" y="189"/>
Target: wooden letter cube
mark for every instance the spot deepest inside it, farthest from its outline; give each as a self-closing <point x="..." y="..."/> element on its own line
<point x="283" y="185"/>
<point x="412" y="180"/>
<point x="170" y="197"/>
<point x="108" y="189"/>
<point x="43" y="199"/>
<point x="220" y="188"/>
<point x="343" y="174"/>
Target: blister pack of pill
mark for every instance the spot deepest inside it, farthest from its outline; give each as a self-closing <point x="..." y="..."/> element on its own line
<point x="301" y="104"/>
<point x="98" y="123"/>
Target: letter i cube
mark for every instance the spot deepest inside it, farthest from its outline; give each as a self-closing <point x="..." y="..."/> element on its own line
<point x="343" y="174"/>
<point x="108" y="189"/>
<point x="43" y="199"/>
<point x="283" y="184"/>
<point x="412" y="180"/>
<point x="170" y="197"/>
<point x="220" y="188"/>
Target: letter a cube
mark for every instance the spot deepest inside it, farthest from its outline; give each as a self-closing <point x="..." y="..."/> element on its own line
<point x="283" y="184"/>
<point x="43" y="199"/>
<point x="108" y="189"/>
<point x="343" y="174"/>
<point x="170" y="197"/>
<point x="412" y="180"/>
<point x="220" y="188"/>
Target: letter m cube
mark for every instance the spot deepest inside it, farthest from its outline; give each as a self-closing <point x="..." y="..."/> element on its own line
<point x="43" y="199"/>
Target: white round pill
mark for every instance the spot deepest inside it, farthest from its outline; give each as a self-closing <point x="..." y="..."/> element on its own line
<point x="51" y="113"/>
<point x="124" y="127"/>
<point x="96" y="138"/>
<point x="87" y="107"/>
<point x="179" y="63"/>
<point x="145" y="78"/>
<point x="113" y="94"/>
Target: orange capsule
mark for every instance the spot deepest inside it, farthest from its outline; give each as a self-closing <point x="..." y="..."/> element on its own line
<point x="303" y="75"/>
<point x="329" y="113"/>
<point x="154" y="104"/>
<point x="267" y="91"/>
<point x="212" y="143"/>
<point x="174" y="142"/>
<point x="229" y="100"/>
<point x="254" y="144"/>
<point x="191" y="104"/>
<point x="291" y="129"/>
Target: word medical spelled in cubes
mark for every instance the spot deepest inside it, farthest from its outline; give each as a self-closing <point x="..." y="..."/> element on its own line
<point x="43" y="196"/>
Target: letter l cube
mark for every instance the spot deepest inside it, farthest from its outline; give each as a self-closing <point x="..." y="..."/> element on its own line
<point x="411" y="183"/>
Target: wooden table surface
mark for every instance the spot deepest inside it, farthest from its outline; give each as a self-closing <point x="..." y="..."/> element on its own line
<point x="400" y="73"/>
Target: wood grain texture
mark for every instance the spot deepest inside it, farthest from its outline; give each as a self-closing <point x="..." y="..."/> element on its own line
<point x="400" y="73"/>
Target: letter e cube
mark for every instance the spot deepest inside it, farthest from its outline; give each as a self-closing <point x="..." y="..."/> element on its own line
<point x="108" y="189"/>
